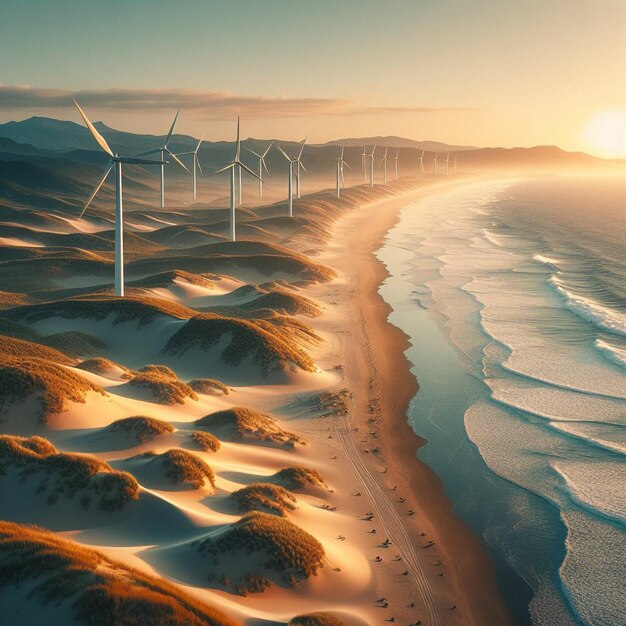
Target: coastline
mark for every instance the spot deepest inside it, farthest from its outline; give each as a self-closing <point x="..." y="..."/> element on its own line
<point x="378" y="372"/>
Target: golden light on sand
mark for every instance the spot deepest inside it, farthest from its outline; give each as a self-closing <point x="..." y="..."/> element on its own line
<point x="605" y="133"/>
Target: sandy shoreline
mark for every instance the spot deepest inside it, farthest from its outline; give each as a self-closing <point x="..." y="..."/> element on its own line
<point x="377" y="372"/>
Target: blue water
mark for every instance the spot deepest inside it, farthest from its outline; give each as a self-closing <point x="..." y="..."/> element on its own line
<point x="513" y="295"/>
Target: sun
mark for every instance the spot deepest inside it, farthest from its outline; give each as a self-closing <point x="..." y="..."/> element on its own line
<point x="605" y="133"/>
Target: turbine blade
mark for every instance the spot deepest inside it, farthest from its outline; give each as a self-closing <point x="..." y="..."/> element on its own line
<point x="304" y="168"/>
<point x="264" y="165"/>
<point x="223" y="169"/>
<point x="245" y="167"/>
<point x="283" y="152"/>
<point x="199" y="166"/>
<point x="302" y="148"/>
<point x="238" y="150"/>
<point x="201" y="140"/>
<point x="256" y="154"/>
<point x="344" y="163"/>
<point x="268" y="149"/>
<point x="178" y="161"/>
<point x="96" y="190"/>
<point x="96" y="135"/>
<point x="169" y="135"/>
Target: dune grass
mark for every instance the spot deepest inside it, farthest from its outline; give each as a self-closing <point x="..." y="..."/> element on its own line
<point x="297" y="478"/>
<point x="264" y="497"/>
<point x="250" y="340"/>
<point x="315" y="619"/>
<point x="208" y="385"/>
<point x="163" y="384"/>
<point x="101" y="366"/>
<point x="66" y="475"/>
<point x="243" y="423"/>
<point x="102" y="592"/>
<point x="270" y="543"/>
<point x="182" y="467"/>
<point x="206" y="441"/>
<point x="54" y="384"/>
<point x="23" y="349"/>
<point x="140" y="429"/>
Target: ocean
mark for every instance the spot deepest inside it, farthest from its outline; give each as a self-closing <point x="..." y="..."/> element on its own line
<point x="513" y="295"/>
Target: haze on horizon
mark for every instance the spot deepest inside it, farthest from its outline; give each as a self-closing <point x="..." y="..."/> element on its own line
<point x="482" y="73"/>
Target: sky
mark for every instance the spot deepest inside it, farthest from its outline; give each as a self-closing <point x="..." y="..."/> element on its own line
<point x="467" y="72"/>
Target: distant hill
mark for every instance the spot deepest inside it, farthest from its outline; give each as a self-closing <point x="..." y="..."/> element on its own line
<point x="397" y="142"/>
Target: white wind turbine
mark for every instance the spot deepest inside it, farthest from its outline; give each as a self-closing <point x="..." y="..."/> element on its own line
<point x="262" y="166"/>
<point x="421" y="163"/>
<point x="195" y="165"/>
<point x="340" y="179"/>
<point x="384" y="164"/>
<point x="447" y="163"/>
<point x="454" y="162"/>
<point x="163" y="150"/>
<point x="435" y="164"/>
<point x="397" y="157"/>
<point x="371" y="157"/>
<point x="364" y="164"/>
<point x="298" y="162"/>
<point x="290" y="184"/>
<point x="232" y="166"/>
<point x="116" y="162"/>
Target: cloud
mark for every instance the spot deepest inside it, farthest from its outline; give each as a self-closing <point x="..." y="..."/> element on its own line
<point x="216" y="105"/>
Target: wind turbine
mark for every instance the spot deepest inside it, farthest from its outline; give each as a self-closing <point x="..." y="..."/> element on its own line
<point x="447" y="163"/>
<point x="435" y="165"/>
<point x="384" y="164"/>
<point x="232" y="166"/>
<point x="262" y="166"/>
<point x="371" y="157"/>
<point x="162" y="150"/>
<point x="454" y="162"/>
<point x="364" y="165"/>
<point x="290" y="184"/>
<point x="396" y="162"/>
<point x="298" y="162"/>
<point x="421" y="163"/>
<point x="116" y="162"/>
<point x="340" y="179"/>
<point x="196" y="165"/>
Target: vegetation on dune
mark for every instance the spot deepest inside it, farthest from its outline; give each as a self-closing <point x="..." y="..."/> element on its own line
<point x="23" y="349"/>
<point x="269" y="543"/>
<point x="164" y="279"/>
<point x="101" y="591"/>
<point x="101" y="366"/>
<point x="163" y="383"/>
<point x="140" y="429"/>
<point x="52" y="383"/>
<point x="208" y="385"/>
<point x="182" y="467"/>
<point x="276" y="300"/>
<point x="243" y="423"/>
<point x="206" y="441"/>
<point x="10" y="299"/>
<point x="249" y="340"/>
<point x="264" y="497"/>
<point x="298" y="478"/>
<point x="315" y="619"/>
<point x="143" y="310"/>
<point x="66" y="475"/>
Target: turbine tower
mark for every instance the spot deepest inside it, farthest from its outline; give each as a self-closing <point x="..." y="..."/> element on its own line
<point x="421" y="163"/>
<point x="435" y="165"/>
<point x="454" y="163"/>
<point x="340" y="179"/>
<point x="384" y="164"/>
<point x="290" y="184"/>
<point x="447" y="163"/>
<point x="364" y="164"/>
<point x="262" y="166"/>
<point x="234" y="166"/>
<point x="371" y="157"/>
<point x="195" y="165"/>
<point x="116" y="162"/>
<point x="298" y="162"/>
<point x="395" y="161"/>
<point x="162" y="150"/>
